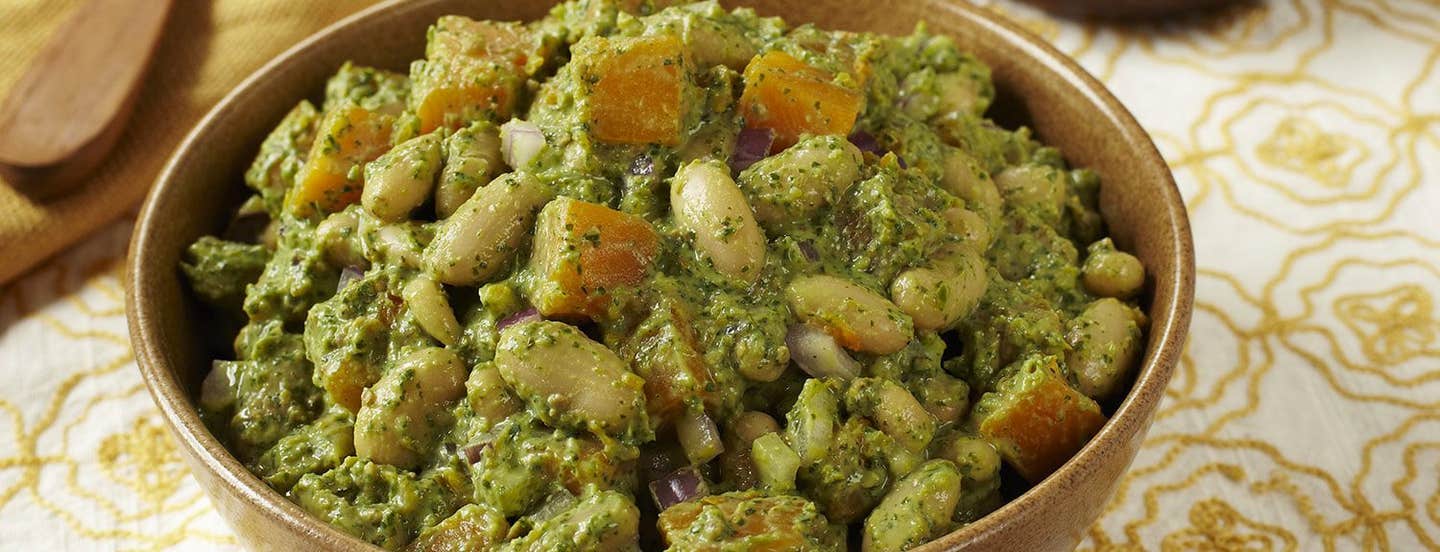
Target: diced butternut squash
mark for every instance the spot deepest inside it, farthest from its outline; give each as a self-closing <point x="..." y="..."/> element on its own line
<point x="454" y="92"/>
<point x="473" y="70"/>
<point x="637" y="88"/>
<point x="751" y="521"/>
<point x="664" y="351"/>
<point x="1036" y="420"/>
<point x="348" y="137"/>
<point x="583" y="252"/>
<point x="785" y="94"/>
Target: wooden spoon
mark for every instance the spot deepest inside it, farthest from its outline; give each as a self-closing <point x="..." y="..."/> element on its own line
<point x="67" y="110"/>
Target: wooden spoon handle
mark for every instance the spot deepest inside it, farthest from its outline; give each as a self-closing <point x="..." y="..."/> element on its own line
<point x="67" y="110"/>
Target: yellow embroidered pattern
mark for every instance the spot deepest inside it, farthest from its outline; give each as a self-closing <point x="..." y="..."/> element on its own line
<point x="1305" y="414"/>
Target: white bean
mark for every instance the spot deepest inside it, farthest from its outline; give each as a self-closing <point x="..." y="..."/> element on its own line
<point x="706" y="202"/>
<point x="917" y="509"/>
<point x="427" y="301"/>
<point x="860" y="319"/>
<point x="472" y="158"/>
<point x="1036" y="187"/>
<point x="795" y="184"/>
<point x="481" y="237"/>
<point x="489" y="397"/>
<point x="1109" y="272"/>
<point x="571" y="381"/>
<point x="970" y="225"/>
<point x="1105" y="341"/>
<point x="894" y="410"/>
<point x="939" y="296"/>
<point x="390" y="243"/>
<point x="395" y="422"/>
<point x="966" y="179"/>
<point x="400" y="180"/>
<point x="339" y="237"/>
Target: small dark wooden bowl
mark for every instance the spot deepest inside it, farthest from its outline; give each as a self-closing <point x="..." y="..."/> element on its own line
<point x="1038" y="86"/>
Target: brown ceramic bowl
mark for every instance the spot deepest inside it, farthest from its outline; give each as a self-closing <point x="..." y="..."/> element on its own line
<point x="1038" y="86"/>
<point x="1125" y="9"/>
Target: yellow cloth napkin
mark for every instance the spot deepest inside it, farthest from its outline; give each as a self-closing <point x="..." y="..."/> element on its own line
<point x="207" y="48"/>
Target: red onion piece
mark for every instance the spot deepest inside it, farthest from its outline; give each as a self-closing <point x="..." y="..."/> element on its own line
<point x="818" y="354"/>
<point x="866" y="142"/>
<point x="217" y="391"/>
<point x="557" y="502"/>
<point x="752" y="145"/>
<point x="527" y="315"/>
<point x="678" y="486"/>
<point x="699" y="437"/>
<point x="808" y="250"/>
<point x="347" y="275"/>
<point x="520" y="141"/>
<point x="471" y="453"/>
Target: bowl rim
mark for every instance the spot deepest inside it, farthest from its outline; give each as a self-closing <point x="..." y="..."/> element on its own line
<point x="1148" y="388"/>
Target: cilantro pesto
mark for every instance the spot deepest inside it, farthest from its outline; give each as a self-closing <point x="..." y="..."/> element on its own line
<point x="639" y="277"/>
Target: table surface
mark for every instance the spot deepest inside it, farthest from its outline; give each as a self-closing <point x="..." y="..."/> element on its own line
<point x="1305" y="136"/>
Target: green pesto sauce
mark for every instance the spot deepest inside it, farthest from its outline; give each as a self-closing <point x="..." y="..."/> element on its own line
<point x="327" y="316"/>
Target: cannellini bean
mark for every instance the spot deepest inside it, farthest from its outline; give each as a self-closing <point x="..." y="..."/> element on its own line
<point x="394" y="425"/>
<point x="958" y="93"/>
<point x="339" y="236"/>
<point x="706" y="203"/>
<point x="795" y="184"/>
<point x="860" y="319"/>
<point x="976" y="458"/>
<point x="431" y="307"/>
<point x="605" y="520"/>
<point x="944" y="397"/>
<point x="918" y="508"/>
<point x="894" y="410"/>
<point x="1109" y="272"/>
<point x="1037" y="187"/>
<point x="390" y="243"/>
<point x="481" y="237"/>
<point x="751" y="424"/>
<point x="966" y="179"/>
<point x="489" y="397"/>
<point x="472" y="158"/>
<point x="1105" y="341"/>
<point x="400" y="180"/>
<point x="939" y="296"/>
<point x="970" y="225"/>
<point x="570" y="381"/>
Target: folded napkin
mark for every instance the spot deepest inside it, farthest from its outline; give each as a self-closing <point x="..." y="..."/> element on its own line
<point x="207" y="48"/>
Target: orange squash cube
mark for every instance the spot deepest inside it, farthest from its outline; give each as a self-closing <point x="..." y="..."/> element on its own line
<point x="793" y="98"/>
<point x="583" y="252"/>
<point x="664" y="350"/>
<point x="454" y="92"/>
<point x="348" y="137"/>
<point x="637" y="88"/>
<point x="1036" y="420"/>
<point x="473" y="70"/>
<point x="752" y="520"/>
